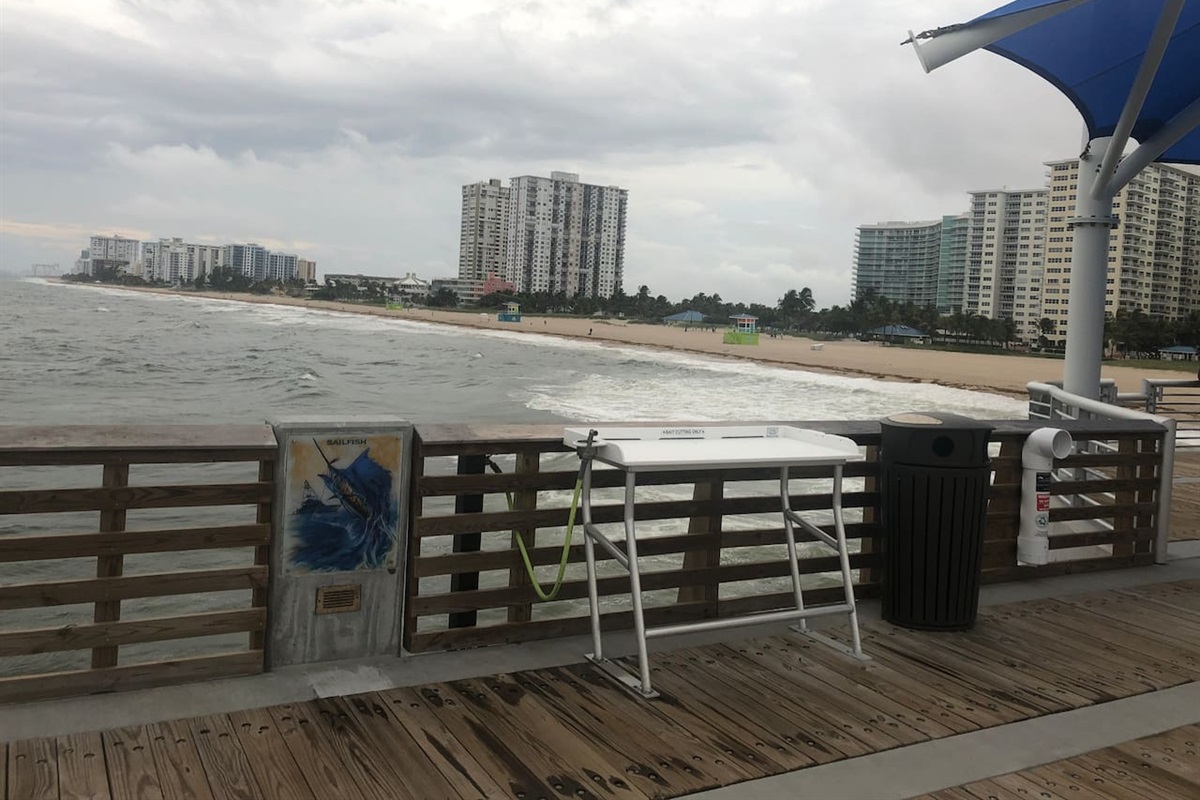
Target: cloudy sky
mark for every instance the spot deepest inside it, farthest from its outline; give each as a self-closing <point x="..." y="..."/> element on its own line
<point x="753" y="135"/>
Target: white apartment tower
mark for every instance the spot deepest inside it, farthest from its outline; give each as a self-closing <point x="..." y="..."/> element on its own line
<point x="565" y="236"/>
<point x="166" y="261"/>
<point x="481" y="248"/>
<point x="1004" y="256"/>
<point x="114" y="251"/>
<point x="204" y="258"/>
<point x="898" y="260"/>
<point x="1153" y="254"/>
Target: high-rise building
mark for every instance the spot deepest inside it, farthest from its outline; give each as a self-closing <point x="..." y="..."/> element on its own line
<point x="1004" y="260"/>
<point x="247" y="259"/>
<point x="115" y="251"/>
<point x="952" y="264"/>
<point x="481" y="249"/>
<point x="281" y="266"/>
<point x="166" y="261"/>
<point x="899" y="261"/>
<point x="204" y="258"/>
<point x="306" y="270"/>
<point x="1153" y="253"/>
<point x="83" y="264"/>
<point x="554" y="234"/>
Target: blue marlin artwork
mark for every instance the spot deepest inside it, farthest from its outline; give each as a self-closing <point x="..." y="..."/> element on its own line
<point x="352" y="524"/>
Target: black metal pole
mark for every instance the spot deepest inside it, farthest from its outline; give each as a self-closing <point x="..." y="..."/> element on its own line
<point x="467" y="542"/>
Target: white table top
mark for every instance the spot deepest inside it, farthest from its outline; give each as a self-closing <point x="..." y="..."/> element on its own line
<point x="715" y="447"/>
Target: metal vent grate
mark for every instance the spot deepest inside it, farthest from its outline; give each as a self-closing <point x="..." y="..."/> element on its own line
<point x="339" y="599"/>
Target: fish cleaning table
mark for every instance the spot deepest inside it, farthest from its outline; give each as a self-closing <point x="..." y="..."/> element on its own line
<point x="635" y="450"/>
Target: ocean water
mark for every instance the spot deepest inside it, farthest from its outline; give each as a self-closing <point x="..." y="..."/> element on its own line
<point x="73" y="354"/>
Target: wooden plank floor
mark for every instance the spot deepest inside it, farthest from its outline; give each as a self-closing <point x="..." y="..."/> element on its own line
<point x="728" y="713"/>
<point x="1162" y="767"/>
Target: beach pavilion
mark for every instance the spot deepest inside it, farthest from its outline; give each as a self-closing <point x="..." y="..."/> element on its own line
<point x="688" y="317"/>
<point x="1130" y="68"/>
<point x="897" y="334"/>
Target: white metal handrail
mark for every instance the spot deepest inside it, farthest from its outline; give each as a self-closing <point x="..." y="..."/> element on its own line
<point x="1053" y="402"/>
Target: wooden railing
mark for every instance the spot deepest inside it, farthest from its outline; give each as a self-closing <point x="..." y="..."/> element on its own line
<point x="78" y="606"/>
<point x="159" y="574"/>
<point x="467" y="587"/>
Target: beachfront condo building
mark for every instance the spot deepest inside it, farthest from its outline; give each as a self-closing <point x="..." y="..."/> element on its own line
<point x="551" y="234"/>
<point x="952" y="264"/>
<point x="899" y="261"/>
<point x="110" y="251"/>
<point x="1153" y="253"/>
<point x="306" y="270"/>
<point x="484" y="230"/>
<point x="248" y="259"/>
<point x="1006" y="243"/>
<point x="1009" y="256"/>
<point x="565" y="236"/>
<point x="176" y="261"/>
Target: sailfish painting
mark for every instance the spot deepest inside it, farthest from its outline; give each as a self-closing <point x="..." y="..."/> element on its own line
<point x="349" y="522"/>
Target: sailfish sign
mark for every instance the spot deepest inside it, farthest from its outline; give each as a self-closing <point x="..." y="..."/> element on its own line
<point x="350" y="521"/>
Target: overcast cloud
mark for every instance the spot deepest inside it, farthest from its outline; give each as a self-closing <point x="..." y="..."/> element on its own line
<point x="753" y="135"/>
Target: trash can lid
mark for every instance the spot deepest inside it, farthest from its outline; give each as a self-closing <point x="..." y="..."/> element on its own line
<point x="925" y="419"/>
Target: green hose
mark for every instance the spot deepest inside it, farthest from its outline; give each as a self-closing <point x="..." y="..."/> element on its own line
<point x="542" y="594"/>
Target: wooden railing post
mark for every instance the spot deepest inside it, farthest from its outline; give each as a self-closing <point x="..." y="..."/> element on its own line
<point x="1003" y="524"/>
<point x="262" y="556"/>
<point x="710" y="592"/>
<point x="111" y="566"/>
<point x="416" y="503"/>
<point x="524" y="500"/>
<point x="1149" y="471"/>
<point x="1125" y="472"/>
<point x="870" y="514"/>
<point x="467" y="542"/>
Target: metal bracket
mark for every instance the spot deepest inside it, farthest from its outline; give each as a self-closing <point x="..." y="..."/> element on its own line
<point x="821" y="638"/>
<point x="626" y="680"/>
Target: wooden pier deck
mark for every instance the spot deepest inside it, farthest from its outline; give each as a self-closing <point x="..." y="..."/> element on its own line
<point x="1162" y="767"/>
<point x="729" y="713"/>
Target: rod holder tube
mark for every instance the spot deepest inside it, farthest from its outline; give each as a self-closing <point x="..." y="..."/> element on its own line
<point x="1042" y="447"/>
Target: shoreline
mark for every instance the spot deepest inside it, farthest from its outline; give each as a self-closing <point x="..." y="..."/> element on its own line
<point x="977" y="372"/>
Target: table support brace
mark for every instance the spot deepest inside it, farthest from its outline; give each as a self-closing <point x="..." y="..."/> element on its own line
<point x="628" y="558"/>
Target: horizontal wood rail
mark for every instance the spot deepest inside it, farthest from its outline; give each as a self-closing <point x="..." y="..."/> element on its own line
<point x="445" y="608"/>
<point x="237" y="562"/>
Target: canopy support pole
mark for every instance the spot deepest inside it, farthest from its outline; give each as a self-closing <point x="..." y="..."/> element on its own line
<point x="1142" y="82"/>
<point x="1154" y="146"/>
<point x="1089" y="273"/>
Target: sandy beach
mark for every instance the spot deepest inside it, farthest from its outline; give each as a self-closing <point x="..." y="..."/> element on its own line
<point x="1004" y="374"/>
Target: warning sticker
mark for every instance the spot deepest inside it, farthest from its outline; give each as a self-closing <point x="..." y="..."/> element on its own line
<point x="1042" y="481"/>
<point x="1043" y="502"/>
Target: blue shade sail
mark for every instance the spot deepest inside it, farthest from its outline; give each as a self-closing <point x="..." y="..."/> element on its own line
<point x="1093" y="51"/>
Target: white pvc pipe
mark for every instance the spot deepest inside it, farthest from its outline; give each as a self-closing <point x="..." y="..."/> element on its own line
<point x="1037" y="461"/>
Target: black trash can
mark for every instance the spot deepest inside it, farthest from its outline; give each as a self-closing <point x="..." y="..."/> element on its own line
<point x="935" y="474"/>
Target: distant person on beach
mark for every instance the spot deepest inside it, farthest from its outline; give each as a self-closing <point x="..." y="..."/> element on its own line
<point x="589" y="331"/>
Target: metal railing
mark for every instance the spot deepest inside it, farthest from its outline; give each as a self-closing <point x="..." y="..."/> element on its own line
<point x="1051" y="402"/>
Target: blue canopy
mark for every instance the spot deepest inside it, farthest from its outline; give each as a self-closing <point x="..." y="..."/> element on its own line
<point x="1092" y="53"/>
<point x="685" y="316"/>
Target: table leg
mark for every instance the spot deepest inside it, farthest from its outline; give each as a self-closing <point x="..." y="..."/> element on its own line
<point x="793" y="555"/>
<point x="589" y="550"/>
<point x="844" y="556"/>
<point x="635" y="586"/>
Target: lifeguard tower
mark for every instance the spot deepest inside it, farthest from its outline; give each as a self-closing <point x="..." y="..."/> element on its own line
<point x="511" y="313"/>
<point x="744" y="330"/>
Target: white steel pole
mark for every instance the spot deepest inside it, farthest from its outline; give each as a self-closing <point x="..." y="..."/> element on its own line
<point x="1091" y="225"/>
